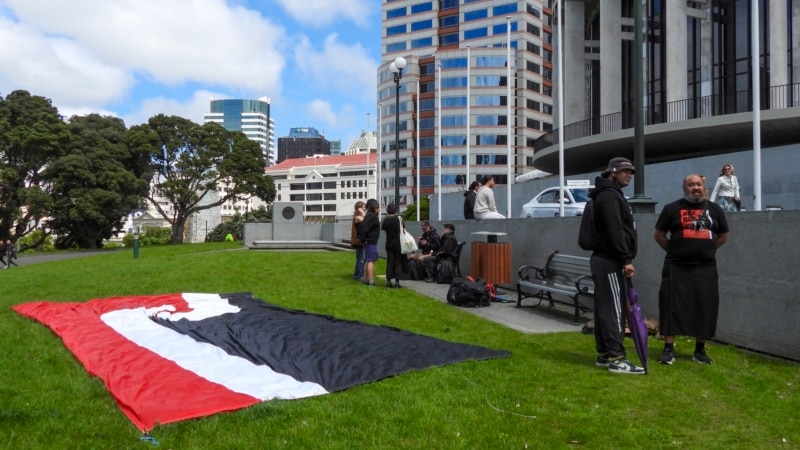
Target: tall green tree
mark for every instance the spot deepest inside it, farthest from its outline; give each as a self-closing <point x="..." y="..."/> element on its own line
<point x="32" y="136"/>
<point x="198" y="167"/>
<point x="97" y="183"/>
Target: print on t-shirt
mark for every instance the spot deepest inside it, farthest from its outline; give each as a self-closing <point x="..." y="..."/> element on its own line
<point x="696" y="224"/>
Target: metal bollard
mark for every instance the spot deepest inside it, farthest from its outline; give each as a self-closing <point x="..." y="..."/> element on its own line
<point x="136" y="243"/>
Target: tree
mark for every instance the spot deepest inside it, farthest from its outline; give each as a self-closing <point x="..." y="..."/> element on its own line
<point x="99" y="181"/>
<point x="410" y="213"/>
<point x="199" y="167"/>
<point x="32" y="136"/>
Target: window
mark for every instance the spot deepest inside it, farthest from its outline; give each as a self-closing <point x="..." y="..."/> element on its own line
<point x="454" y="82"/>
<point x="426" y="69"/>
<point x="490" y="160"/>
<point x="314" y="197"/>
<point x="488" y="80"/>
<point x="426" y="161"/>
<point x="398" y="29"/>
<point x="427" y="180"/>
<point x="422" y="25"/>
<point x="533" y="124"/>
<point x="454" y="141"/>
<point x="330" y="185"/>
<point x="501" y="28"/>
<point x="533" y="29"/>
<point x="392" y="13"/>
<point x="448" y="4"/>
<point x="533" y="48"/>
<point x="454" y="102"/>
<point x="427" y="123"/>
<point x="449" y="21"/>
<point x="427" y="104"/>
<point x="490" y="120"/>
<point x="476" y="33"/>
<point x="296" y="197"/>
<point x="447" y="39"/>
<point x="396" y="47"/>
<point x="533" y="67"/>
<point x="454" y="160"/>
<point x="502" y="10"/>
<point x="476" y="15"/>
<point x="428" y="86"/>
<point x="490" y="139"/>
<point x="490" y="100"/>
<point x="454" y="121"/>
<point x="422" y="7"/>
<point x="427" y="142"/>
<point x="532" y="86"/>
<point x="424" y="42"/>
<point x="490" y="61"/>
<point x="454" y="63"/>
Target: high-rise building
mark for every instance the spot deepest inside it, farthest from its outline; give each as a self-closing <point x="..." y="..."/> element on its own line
<point x="251" y="117"/>
<point x="302" y="142"/>
<point x="491" y="63"/>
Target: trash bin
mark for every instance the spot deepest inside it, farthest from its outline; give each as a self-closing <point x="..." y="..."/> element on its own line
<point x="491" y="260"/>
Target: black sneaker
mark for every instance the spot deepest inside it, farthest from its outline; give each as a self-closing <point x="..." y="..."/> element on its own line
<point x="668" y="357"/>
<point x="601" y="361"/>
<point x="702" y="358"/>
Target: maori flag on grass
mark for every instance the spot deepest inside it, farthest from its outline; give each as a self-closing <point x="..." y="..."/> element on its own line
<point x="173" y="357"/>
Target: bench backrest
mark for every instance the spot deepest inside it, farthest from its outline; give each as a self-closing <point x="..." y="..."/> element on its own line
<point x="567" y="269"/>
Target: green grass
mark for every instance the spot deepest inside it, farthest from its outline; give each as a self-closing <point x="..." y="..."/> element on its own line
<point x="547" y="395"/>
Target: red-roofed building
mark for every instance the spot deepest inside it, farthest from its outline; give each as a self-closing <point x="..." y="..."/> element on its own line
<point x="328" y="186"/>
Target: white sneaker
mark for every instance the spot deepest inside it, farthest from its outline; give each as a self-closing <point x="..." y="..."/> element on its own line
<point x="622" y="365"/>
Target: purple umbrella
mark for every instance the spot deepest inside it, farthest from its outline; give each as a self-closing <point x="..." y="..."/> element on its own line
<point x="636" y="324"/>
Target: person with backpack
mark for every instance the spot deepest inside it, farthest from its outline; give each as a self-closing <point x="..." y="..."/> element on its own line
<point x="611" y="262"/>
<point x="447" y="250"/>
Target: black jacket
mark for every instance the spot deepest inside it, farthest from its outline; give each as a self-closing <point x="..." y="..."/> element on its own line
<point x="391" y="225"/>
<point x="615" y="222"/>
<point x="449" y="243"/>
<point x="469" y="204"/>
<point x="369" y="230"/>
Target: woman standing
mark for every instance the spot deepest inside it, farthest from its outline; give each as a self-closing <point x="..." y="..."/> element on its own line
<point x="358" y="217"/>
<point x="727" y="188"/>
<point x="369" y="231"/>
<point x="396" y="261"/>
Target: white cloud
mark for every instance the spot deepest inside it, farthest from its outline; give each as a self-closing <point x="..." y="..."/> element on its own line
<point x="321" y="110"/>
<point x="339" y="67"/>
<point x="324" y="12"/>
<point x="193" y="109"/>
<point x="106" y="44"/>
<point x="56" y="68"/>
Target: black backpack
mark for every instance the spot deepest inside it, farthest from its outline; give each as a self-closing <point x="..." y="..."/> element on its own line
<point x="445" y="271"/>
<point x="468" y="292"/>
<point x="588" y="237"/>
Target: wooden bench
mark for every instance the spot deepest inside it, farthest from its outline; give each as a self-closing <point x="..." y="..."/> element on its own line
<point x="565" y="275"/>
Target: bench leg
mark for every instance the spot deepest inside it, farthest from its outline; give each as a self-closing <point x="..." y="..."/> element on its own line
<point x="577" y="309"/>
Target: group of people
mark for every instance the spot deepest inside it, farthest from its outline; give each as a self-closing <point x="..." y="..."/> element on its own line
<point x="8" y="253"/>
<point x="689" y="230"/>
<point x="364" y="235"/>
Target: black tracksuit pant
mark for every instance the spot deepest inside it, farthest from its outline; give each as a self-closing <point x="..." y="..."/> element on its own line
<point x="609" y="306"/>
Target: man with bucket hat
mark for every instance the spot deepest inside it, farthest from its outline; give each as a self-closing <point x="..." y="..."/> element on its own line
<point x="611" y="262"/>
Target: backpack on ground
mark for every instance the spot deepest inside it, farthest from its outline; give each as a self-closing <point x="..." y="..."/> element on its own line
<point x="445" y="271"/>
<point x="588" y="237"/>
<point x="465" y="291"/>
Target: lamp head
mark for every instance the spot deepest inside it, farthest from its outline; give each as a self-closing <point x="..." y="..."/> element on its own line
<point x="400" y="63"/>
<point x="393" y="68"/>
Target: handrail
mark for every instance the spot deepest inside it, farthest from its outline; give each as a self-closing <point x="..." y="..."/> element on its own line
<point x="775" y="97"/>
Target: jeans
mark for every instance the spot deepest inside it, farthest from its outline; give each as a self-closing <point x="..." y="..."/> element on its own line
<point x="359" y="270"/>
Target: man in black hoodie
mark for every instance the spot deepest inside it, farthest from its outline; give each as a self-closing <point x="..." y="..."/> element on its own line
<point x="611" y="262"/>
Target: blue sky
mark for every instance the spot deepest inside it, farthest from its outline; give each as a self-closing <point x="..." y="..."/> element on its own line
<point x="133" y="59"/>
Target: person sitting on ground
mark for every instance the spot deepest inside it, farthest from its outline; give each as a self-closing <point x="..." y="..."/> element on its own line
<point x="447" y="249"/>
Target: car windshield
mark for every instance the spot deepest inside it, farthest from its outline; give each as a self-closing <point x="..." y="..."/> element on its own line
<point x="581" y="195"/>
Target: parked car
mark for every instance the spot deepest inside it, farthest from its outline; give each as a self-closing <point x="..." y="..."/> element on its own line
<point x="547" y="202"/>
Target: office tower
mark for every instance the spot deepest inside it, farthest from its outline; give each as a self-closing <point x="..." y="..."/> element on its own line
<point x="302" y="142"/>
<point x="484" y="120"/>
<point x="252" y="117"/>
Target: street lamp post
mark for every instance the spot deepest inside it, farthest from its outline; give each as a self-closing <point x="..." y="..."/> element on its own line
<point x="397" y="69"/>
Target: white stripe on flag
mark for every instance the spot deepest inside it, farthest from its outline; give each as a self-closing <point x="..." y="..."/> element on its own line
<point x="206" y="360"/>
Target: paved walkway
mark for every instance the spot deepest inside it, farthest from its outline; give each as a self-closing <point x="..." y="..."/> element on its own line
<point x="542" y="319"/>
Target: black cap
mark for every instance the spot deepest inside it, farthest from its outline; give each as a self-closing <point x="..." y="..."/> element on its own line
<point x="451" y="226"/>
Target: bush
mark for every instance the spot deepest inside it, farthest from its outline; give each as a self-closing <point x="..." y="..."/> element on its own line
<point x="150" y="236"/>
<point x="27" y="242"/>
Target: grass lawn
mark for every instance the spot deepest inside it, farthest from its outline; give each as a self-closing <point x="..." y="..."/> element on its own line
<point x="547" y="395"/>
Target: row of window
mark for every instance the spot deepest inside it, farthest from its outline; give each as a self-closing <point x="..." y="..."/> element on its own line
<point x="500" y="10"/>
<point x="427" y="162"/>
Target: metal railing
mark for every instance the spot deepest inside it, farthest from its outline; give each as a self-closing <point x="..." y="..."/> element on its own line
<point x="776" y="97"/>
